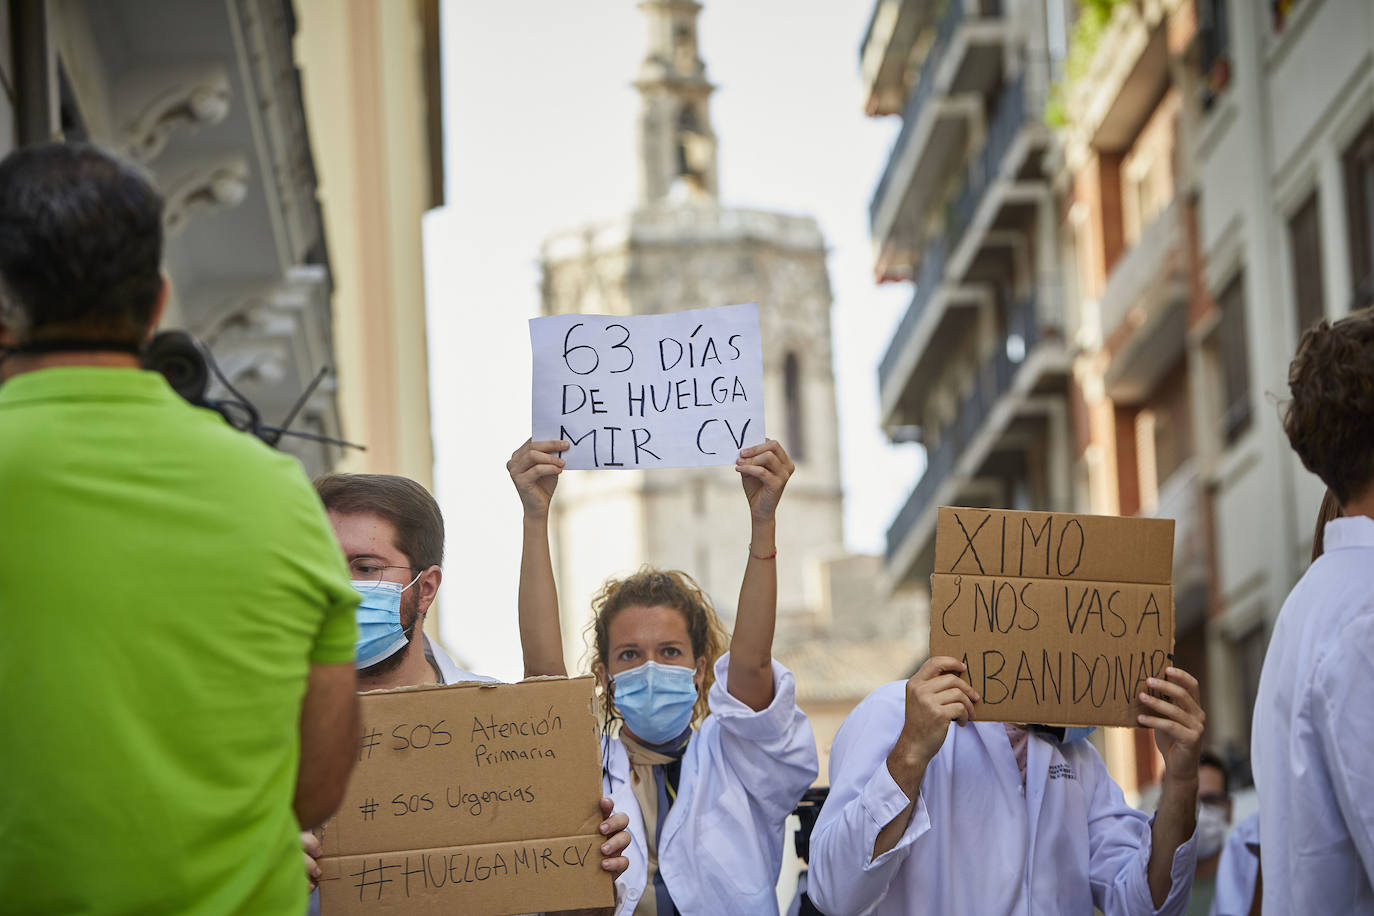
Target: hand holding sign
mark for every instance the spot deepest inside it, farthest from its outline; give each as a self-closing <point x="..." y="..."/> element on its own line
<point x="764" y="470"/>
<point x="534" y="468"/>
<point x="684" y="389"/>
<point x="935" y="696"/>
<point x="1177" y="720"/>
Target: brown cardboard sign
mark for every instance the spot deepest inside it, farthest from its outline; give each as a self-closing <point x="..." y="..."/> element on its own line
<point x="1054" y="545"/>
<point x="1056" y="647"/>
<point x="478" y="799"/>
<point x="526" y="877"/>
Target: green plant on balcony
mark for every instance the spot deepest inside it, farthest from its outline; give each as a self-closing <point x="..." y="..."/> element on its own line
<point x="1086" y="34"/>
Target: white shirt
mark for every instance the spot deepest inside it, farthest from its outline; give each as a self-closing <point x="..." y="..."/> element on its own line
<point x="449" y="672"/>
<point x="1313" y="734"/>
<point x="1237" y="870"/>
<point x="977" y="842"/>
<point x="742" y="774"/>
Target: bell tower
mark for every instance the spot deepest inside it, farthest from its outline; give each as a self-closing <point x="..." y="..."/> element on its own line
<point x="680" y="248"/>
<point x="677" y="148"/>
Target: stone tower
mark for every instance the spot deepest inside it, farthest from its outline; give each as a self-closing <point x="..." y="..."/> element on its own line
<point x="680" y="249"/>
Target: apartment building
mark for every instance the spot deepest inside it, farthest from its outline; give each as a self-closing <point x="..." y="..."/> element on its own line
<point x="1209" y="179"/>
<point x="1128" y="190"/>
<point x="1283" y="155"/>
<point x="978" y="368"/>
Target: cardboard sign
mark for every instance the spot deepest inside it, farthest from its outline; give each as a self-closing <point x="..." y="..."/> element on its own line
<point x="1059" y="618"/>
<point x="479" y="799"/>
<point x="684" y="389"/>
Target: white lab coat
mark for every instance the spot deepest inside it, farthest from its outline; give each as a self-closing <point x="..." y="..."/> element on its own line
<point x="1237" y="870"/>
<point x="742" y="774"/>
<point x="977" y="842"/>
<point x="449" y="672"/>
<point x="1313" y="731"/>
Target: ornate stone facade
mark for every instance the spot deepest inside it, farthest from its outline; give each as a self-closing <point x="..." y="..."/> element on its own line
<point x="668" y="257"/>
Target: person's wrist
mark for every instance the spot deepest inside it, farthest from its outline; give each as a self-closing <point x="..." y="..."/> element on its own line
<point x="1181" y="778"/>
<point x="912" y="749"/>
<point x="536" y="517"/>
<point x="907" y="761"/>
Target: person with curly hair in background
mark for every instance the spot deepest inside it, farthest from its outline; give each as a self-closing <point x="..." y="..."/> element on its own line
<point x="712" y="753"/>
<point x="1314" y="715"/>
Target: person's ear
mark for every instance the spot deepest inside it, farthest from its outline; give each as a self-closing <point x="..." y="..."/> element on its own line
<point x="159" y="308"/>
<point x="700" y="677"/>
<point x="428" y="586"/>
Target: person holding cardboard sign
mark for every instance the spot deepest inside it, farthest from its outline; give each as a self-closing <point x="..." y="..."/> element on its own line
<point x="932" y="812"/>
<point x="391" y="532"/>
<point x="707" y="803"/>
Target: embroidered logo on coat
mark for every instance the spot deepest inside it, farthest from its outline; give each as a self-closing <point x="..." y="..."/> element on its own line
<point x="1061" y="771"/>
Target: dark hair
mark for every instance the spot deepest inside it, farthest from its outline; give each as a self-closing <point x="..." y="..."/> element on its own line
<point x="409" y="508"/>
<point x="80" y="245"/>
<point x="1329" y="509"/>
<point x="1213" y="759"/>
<point x="1330" y="419"/>
<point x="669" y="588"/>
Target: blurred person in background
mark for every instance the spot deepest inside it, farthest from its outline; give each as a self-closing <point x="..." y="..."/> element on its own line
<point x="1238" y="884"/>
<point x="1213" y="822"/>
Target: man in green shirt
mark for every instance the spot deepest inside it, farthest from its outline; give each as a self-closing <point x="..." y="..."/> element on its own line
<point x="176" y="621"/>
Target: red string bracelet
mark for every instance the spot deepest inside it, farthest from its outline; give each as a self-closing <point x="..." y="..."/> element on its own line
<point x="757" y="557"/>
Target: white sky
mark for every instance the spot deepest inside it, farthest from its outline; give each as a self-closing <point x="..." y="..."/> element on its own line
<point x="540" y="119"/>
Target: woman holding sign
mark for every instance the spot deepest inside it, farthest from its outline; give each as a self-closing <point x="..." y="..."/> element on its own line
<point x="711" y="753"/>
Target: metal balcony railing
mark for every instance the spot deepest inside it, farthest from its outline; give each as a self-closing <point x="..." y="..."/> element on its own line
<point x="931" y="275"/>
<point x="911" y="111"/>
<point x="1012" y="112"/>
<point x="993" y="381"/>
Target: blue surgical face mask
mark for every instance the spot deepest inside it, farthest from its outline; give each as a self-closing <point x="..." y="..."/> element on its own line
<point x="656" y="700"/>
<point x="380" y="633"/>
<point x="1077" y="733"/>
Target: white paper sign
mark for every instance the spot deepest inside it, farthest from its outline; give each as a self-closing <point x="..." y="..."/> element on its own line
<point x="683" y="389"/>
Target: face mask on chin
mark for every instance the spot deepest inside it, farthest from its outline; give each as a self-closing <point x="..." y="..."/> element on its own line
<point x="381" y="634"/>
<point x="656" y="701"/>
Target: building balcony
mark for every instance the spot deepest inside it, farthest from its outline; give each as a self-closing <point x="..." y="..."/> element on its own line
<point x="962" y="62"/>
<point x="940" y="314"/>
<point x="1030" y="362"/>
<point x="1001" y="173"/>
<point x="1144" y="308"/>
<point x="1128" y="71"/>
<point x="893" y="29"/>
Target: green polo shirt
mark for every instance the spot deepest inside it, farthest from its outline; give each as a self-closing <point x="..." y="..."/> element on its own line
<point x="165" y="583"/>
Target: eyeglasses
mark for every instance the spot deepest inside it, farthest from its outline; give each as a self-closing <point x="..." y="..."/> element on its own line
<point x="365" y="570"/>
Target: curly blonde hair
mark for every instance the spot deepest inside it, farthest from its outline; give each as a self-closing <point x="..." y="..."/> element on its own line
<point x="650" y="587"/>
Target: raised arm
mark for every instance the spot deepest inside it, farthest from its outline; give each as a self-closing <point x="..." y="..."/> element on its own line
<point x="764" y="470"/>
<point x="1178" y="721"/>
<point x="534" y="468"/>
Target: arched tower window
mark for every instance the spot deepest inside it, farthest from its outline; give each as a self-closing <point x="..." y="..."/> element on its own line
<point x="792" y="396"/>
<point x="690" y="146"/>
